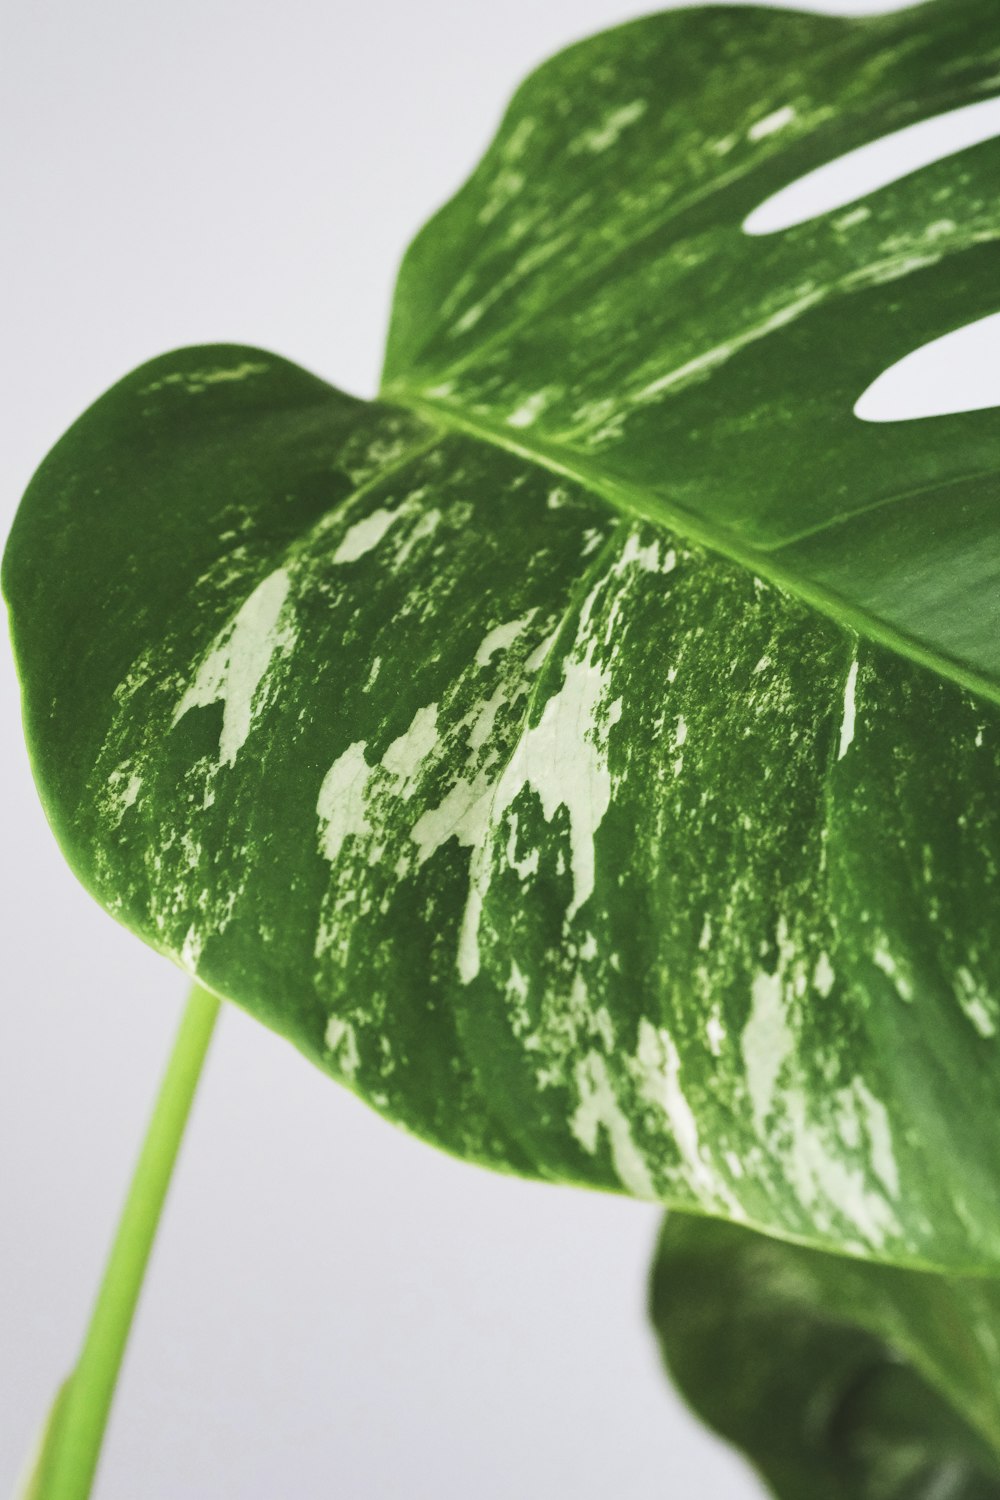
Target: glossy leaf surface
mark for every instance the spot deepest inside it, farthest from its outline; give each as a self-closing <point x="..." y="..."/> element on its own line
<point x="539" y="782"/>
<point x="592" y="295"/>
<point x="839" y="1380"/>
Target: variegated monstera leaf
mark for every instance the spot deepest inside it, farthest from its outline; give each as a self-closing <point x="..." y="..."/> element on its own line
<point x="589" y="751"/>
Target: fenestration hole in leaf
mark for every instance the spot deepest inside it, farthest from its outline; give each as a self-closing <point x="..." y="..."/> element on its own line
<point x="959" y="372"/>
<point x="876" y="165"/>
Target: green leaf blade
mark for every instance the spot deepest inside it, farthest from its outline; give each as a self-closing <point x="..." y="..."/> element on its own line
<point x="609" y="312"/>
<point x="466" y="783"/>
<point x="838" y="1380"/>
<point x="581" y="821"/>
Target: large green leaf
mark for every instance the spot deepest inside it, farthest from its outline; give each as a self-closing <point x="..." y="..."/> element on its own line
<point x="587" y="775"/>
<point x="592" y="298"/>
<point x="839" y="1380"/>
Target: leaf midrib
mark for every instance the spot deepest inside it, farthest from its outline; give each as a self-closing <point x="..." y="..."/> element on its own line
<point x="631" y="500"/>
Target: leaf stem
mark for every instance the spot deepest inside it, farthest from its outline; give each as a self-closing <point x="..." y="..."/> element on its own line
<point x="72" y="1445"/>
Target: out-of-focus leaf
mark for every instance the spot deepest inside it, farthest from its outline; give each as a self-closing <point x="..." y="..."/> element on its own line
<point x="839" y="1380"/>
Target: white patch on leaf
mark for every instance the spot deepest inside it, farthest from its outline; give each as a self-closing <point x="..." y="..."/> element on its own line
<point x="767" y="1043"/>
<point x="238" y="661"/>
<point x="823" y="975"/>
<point x="425" y="527"/>
<point x="646" y="557"/>
<point x="123" y="788"/>
<point x="884" y="960"/>
<point x="501" y="637"/>
<point x="817" y="1170"/>
<point x="772" y="123"/>
<point x="364" y="535"/>
<point x="563" y="760"/>
<point x="194" y="381"/>
<point x="611" y="127"/>
<point x="340" y="1040"/>
<point x="883" y="1159"/>
<point x="832" y="1160"/>
<point x="352" y="787"/>
<point x="342" y="805"/>
<point x="657" y="1067"/>
<point x="977" y="1003"/>
<point x="847" y="723"/>
<point x="406" y="755"/>
<point x="715" y="1032"/>
<point x="599" y="1110"/>
<point x="532" y="407"/>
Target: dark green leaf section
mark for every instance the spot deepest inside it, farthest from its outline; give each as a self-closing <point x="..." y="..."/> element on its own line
<point x="591" y="297"/>
<point x="575" y="848"/>
<point x="838" y="1380"/>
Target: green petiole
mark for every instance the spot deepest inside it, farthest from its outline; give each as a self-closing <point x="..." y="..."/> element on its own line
<point x="70" y="1446"/>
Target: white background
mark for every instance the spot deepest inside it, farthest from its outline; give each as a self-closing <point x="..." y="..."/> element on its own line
<point x="332" y="1309"/>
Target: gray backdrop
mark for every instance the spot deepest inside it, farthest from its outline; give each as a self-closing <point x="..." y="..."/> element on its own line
<point x="332" y="1309"/>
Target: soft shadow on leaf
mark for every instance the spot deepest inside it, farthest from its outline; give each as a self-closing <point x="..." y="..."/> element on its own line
<point x="838" y="1380"/>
